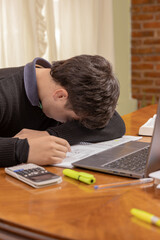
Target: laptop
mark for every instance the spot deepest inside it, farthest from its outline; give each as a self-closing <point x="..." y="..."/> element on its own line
<point x="132" y="159"/>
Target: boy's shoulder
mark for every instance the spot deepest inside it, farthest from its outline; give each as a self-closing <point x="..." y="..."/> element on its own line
<point x="11" y="73"/>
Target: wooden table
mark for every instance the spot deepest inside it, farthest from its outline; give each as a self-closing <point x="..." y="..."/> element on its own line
<point x="73" y="210"/>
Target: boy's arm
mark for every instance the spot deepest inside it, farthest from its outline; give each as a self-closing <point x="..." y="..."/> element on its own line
<point x="41" y="150"/>
<point x="8" y="155"/>
<point x="74" y="132"/>
<point x="15" y="150"/>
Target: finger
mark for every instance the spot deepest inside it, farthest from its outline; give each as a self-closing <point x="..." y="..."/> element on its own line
<point x="60" y="148"/>
<point x="59" y="154"/>
<point x="56" y="160"/>
<point x="63" y="142"/>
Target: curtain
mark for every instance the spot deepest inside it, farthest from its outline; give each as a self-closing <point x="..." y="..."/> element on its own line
<point x="86" y="27"/>
<point x="26" y="31"/>
<point x="54" y="29"/>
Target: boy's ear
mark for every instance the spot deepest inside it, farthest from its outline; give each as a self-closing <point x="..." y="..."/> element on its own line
<point x="60" y="94"/>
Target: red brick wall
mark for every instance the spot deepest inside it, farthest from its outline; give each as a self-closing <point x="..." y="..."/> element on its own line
<point x="145" y="50"/>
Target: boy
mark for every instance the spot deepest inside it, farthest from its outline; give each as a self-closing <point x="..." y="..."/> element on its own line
<point x="45" y="108"/>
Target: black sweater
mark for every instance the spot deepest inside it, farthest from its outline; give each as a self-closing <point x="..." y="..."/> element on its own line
<point x="16" y="113"/>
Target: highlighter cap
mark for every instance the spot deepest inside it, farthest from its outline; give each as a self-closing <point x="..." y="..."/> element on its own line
<point x="86" y="180"/>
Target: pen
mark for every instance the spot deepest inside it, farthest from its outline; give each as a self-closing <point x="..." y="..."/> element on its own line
<point x="145" y="216"/>
<point x="124" y="184"/>
<point x="81" y="176"/>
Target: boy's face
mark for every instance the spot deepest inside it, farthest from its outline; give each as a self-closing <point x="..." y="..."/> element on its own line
<point x="63" y="115"/>
<point x="58" y="111"/>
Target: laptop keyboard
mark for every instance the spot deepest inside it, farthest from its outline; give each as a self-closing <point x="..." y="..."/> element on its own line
<point x="135" y="162"/>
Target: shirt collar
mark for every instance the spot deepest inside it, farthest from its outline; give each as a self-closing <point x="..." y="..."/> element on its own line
<point x="30" y="82"/>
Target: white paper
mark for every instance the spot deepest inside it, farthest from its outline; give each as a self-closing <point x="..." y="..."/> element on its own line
<point x="84" y="150"/>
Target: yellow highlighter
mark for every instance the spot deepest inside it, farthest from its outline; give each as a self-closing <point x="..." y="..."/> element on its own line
<point x="145" y="216"/>
<point x="81" y="176"/>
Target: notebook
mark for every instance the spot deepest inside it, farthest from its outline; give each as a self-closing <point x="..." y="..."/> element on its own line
<point x="132" y="159"/>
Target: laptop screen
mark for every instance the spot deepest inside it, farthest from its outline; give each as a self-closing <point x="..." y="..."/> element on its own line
<point x="153" y="163"/>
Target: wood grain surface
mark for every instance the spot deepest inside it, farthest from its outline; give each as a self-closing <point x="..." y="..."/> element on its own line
<point x="74" y="210"/>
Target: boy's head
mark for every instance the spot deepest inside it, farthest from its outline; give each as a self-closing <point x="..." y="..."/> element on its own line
<point x="92" y="88"/>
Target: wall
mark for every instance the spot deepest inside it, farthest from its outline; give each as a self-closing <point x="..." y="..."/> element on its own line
<point x="122" y="46"/>
<point x="145" y="17"/>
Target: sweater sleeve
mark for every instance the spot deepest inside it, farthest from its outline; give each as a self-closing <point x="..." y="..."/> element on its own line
<point x="22" y="151"/>
<point x="12" y="151"/>
<point x="74" y="132"/>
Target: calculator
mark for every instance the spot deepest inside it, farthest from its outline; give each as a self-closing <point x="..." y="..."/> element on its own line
<point x="33" y="175"/>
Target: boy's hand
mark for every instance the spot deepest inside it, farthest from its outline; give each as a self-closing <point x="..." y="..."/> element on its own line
<point x="44" y="149"/>
<point x="47" y="150"/>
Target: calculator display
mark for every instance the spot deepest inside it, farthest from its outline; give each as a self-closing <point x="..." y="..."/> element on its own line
<point x="44" y="177"/>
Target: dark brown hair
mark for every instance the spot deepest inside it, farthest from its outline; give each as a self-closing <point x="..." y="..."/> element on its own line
<point x="92" y="88"/>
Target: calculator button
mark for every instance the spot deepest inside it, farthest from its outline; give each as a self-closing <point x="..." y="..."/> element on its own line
<point x="26" y="172"/>
<point x="38" y="169"/>
<point x="18" y="170"/>
<point x="20" y="173"/>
